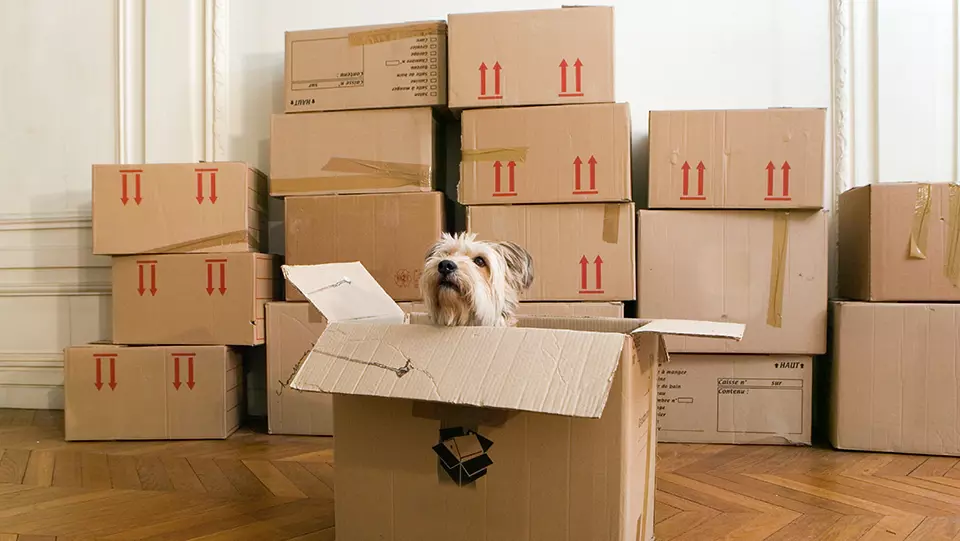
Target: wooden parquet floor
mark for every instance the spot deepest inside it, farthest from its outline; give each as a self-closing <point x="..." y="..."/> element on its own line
<point x="264" y="488"/>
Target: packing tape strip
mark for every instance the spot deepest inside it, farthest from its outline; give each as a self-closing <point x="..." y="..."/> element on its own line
<point x="778" y="268"/>
<point x="921" y="219"/>
<point x="951" y="266"/>
<point x="344" y="184"/>
<point x="509" y="154"/>
<point x="234" y="237"/>
<point x="372" y="37"/>
<point x="413" y="173"/>
<point x="611" y="223"/>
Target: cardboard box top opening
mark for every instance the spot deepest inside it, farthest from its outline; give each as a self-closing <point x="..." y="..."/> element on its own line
<point x="557" y="365"/>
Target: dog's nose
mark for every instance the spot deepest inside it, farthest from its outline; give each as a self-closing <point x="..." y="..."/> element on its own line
<point x="446" y="267"/>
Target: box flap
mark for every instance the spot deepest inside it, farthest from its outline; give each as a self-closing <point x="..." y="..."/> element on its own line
<point x="344" y="292"/>
<point x="683" y="327"/>
<point x="541" y="370"/>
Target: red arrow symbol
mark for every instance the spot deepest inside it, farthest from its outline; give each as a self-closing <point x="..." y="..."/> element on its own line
<point x="686" y="178"/>
<point x="496" y="176"/>
<point x="123" y="189"/>
<point x="190" y="382"/>
<point x="786" y="179"/>
<point x="577" y="65"/>
<point x="770" y="169"/>
<point x="199" y="187"/>
<point x="141" y="288"/>
<point x="209" y="278"/>
<point x="213" y="186"/>
<point x="511" y="166"/>
<point x="483" y="79"/>
<point x="136" y="189"/>
<point x="113" y="375"/>
<point x="599" y="263"/>
<point x="99" y="382"/>
<point x="563" y="77"/>
<point x="153" y="280"/>
<point x="496" y="78"/>
<point x="700" y="169"/>
<point x="176" y="373"/>
<point x="577" y="162"/>
<point x="223" y="279"/>
<point x="593" y="172"/>
<point x="583" y="272"/>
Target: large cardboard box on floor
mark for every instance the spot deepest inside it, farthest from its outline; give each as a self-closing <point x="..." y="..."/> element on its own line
<point x="292" y="331"/>
<point x="366" y="67"/>
<point x="151" y="393"/>
<point x="900" y="242"/>
<point x="384" y="150"/>
<point x="542" y="57"/>
<point x="573" y="153"/>
<point x="389" y="233"/>
<point x="178" y="208"/>
<point x="743" y="399"/>
<point x="746" y="159"/>
<point x="894" y="382"/>
<point x="580" y="251"/>
<point x="202" y="299"/>
<point x="556" y="309"/>
<point x="765" y="269"/>
<point x="483" y="423"/>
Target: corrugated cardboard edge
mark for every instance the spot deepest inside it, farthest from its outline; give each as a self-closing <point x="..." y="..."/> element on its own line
<point x="514" y="154"/>
<point x="372" y="37"/>
<point x="951" y="267"/>
<point x="778" y="267"/>
<point x="234" y="237"/>
<point x="611" y="223"/>
<point x="918" y="231"/>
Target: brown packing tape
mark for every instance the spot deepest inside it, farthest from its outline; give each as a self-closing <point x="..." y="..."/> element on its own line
<point x="338" y="183"/>
<point x="506" y="154"/>
<point x="414" y="174"/>
<point x="372" y="37"/>
<point x="778" y="269"/>
<point x="921" y="218"/>
<point x="225" y="239"/>
<point x="951" y="266"/>
<point x="611" y="223"/>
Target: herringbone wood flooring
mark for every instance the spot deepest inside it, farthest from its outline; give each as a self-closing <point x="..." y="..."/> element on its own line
<point x="264" y="488"/>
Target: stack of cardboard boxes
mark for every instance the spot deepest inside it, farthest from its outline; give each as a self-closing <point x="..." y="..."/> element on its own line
<point x="744" y="240"/>
<point x="553" y="178"/>
<point x="896" y="355"/>
<point x="189" y="283"/>
<point x="355" y="160"/>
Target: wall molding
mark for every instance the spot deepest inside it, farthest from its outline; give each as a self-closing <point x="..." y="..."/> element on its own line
<point x="131" y="112"/>
<point x="216" y="42"/>
<point x="33" y="221"/>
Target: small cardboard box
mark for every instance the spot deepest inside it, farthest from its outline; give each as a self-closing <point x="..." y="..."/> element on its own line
<point x="741" y="399"/>
<point x="542" y="57"/>
<point x="580" y="251"/>
<point x="485" y="420"/>
<point x="900" y="242"/>
<point x="389" y="233"/>
<point x="894" y="381"/>
<point x="178" y="208"/>
<point x="765" y="269"/>
<point x="749" y="159"/>
<point x="151" y="393"/>
<point x="198" y="299"/>
<point x="292" y="331"/>
<point x="573" y="153"/>
<point x="366" y="67"/>
<point x="384" y="150"/>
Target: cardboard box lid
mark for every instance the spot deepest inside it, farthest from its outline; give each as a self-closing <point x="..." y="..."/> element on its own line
<point x="367" y="350"/>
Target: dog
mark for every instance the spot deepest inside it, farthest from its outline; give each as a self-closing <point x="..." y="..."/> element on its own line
<point x="466" y="282"/>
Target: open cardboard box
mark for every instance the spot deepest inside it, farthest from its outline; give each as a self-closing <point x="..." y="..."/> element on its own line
<point x="546" y="430"/>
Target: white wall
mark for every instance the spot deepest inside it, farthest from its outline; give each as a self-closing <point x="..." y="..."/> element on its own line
<point x="131" y="80"/>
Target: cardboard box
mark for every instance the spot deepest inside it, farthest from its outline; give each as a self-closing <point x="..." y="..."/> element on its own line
<point x="580" y="251"/>
<point x="542" y="57"/>
<point x="385" y="150"/>
<point x="741" y="399"/>
<point x="178" y="208"/>
<point x="555" y="309"/>
<point x="151" y="393"/>
<point x="197" y="299"/>
<point x="366" y="67"/>
<point x="751" y="159"/>
<point x="574" y="153"/>
<point x="765" y="269"/>
<point x="900" y="242"/>
<point x="894" y="381"/>
<point x="485" y="420"/>
<point x="389" y="233"/>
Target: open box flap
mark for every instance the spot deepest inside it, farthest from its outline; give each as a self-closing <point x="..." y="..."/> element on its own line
<point x="344" y="292"/>
<point x="684" y="327"/>
<point x="555" y="371"/>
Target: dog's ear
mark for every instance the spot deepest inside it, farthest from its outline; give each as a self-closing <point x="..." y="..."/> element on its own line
<point x="519" y="264"/>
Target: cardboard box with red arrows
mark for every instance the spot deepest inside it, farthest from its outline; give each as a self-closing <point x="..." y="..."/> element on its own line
<point x="572" y="153"/>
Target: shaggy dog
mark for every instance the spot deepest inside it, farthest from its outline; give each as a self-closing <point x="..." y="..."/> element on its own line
<point x="467" y="282"/>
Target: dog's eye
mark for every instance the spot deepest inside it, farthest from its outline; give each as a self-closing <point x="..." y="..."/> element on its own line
<point x="480" y="262"/>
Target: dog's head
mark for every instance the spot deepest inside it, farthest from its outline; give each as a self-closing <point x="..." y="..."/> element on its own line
<point x="471" y="282"/>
